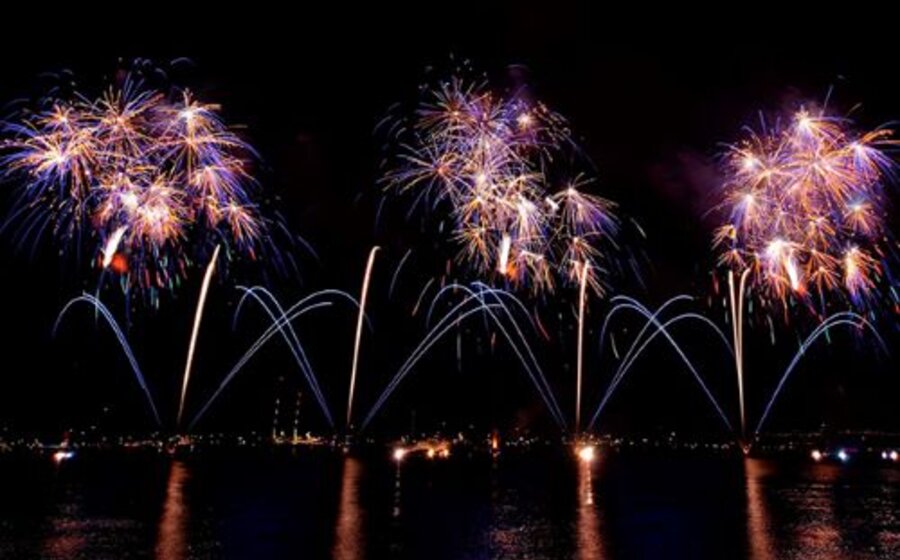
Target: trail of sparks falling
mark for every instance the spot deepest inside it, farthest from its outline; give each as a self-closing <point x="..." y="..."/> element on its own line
<point x="643" y="339"/>
<point x="198" y="317"/>
<point x="488" y="302"/>
<point x="282" y="320"/>
<point x="845" y="318"/>
<point x="359" y="326"/>
<point x="123" y="342"/>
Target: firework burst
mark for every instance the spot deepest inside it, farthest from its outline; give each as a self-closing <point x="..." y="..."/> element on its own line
<point x="805" y="207"/>
<point x="153" y="180"/>
<point x="493" y="159"/>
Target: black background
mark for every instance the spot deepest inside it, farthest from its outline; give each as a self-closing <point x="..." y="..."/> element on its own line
<point x="650" y="103"/>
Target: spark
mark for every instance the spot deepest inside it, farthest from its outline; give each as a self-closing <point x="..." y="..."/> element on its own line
<point x="805" y="206"/>
<point x="491" y="158"/>
<point x="157" y="178"/>
<point x="805" y="221"/>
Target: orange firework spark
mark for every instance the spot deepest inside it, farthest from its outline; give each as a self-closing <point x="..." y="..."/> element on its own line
<point x="805" y="208"/>
<point x="490" y="157"/>
<point x="160" y="179"/>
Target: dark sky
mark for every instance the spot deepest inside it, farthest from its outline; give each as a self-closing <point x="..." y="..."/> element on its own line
<point x="650" y="106"/>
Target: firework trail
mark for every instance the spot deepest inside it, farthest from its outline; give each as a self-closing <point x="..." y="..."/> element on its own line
<point x="846" y="318"/>
<point x="279" y="316"/>
<point x="282" y="323"/>
<point x="198" y="317"/>
<point x="805" y="209"/>
<point x="367" y="278"/>
<point x="151" y="179"/>
<point x="642" y="340"/>
<point x="489" y="302"/>
<point x="585" y="272"/>
<point x="397" y="271"/>
<point x="120" y="336"/>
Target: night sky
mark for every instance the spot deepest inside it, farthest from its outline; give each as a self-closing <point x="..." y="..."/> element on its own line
<point x="649" y="105"/>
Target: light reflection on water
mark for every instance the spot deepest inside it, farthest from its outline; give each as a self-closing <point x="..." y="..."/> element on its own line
<point x="172" y="539"/>
<point x="528" y="505"/>
<point x="65" y="537"/>
<point x="758" y="522"/>
<point x="348" y="532"/>
<point x="590" y="545"/>
<point x="822" y="511"/>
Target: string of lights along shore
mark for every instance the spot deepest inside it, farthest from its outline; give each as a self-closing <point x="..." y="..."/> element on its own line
<point x="144" y="186"/>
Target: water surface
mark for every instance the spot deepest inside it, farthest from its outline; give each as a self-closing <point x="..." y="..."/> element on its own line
<point x="319" y="504"/>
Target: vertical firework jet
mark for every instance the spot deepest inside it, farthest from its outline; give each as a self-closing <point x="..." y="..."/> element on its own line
<point x="804" y="207"/>
<point x="198" y="318"/>
<point x="367" y="278"/>
<point x="585" y="274"/>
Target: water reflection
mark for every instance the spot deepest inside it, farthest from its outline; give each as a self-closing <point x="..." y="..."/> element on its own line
<point x="758" y="522"/>
<point x="348" y="534"/>
<point x="816" y="529"/>
<point x="171" y="540"/>
<point x="622" y="506"/>
<point x="590" y="545"/>
<point x="397" y="493"/>
<point x="66" y="537"/>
